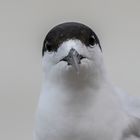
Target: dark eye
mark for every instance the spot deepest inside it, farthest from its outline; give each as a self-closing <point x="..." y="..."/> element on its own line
<point x="92" y="41"/>
<point x="48" y="46"/>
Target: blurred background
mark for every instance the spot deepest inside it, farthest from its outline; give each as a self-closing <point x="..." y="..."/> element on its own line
<point x="23" y="26"/>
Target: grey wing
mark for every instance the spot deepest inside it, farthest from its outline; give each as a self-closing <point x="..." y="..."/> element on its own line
<point x="131" y="105"/>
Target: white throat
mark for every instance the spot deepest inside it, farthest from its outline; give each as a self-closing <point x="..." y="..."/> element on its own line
<point x="92" y="72"/>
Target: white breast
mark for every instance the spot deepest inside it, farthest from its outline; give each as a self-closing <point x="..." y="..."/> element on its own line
<point x="79" y="115"/>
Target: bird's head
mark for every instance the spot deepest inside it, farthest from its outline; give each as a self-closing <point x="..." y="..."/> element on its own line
<point x="71" y="48"/>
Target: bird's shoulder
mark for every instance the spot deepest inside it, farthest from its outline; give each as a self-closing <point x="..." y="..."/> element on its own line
<point x="130" y="104"/>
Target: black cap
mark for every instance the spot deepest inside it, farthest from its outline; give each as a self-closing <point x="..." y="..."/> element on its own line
<point x="69" y="30"/>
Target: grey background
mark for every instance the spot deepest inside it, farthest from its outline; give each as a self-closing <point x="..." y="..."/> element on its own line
<point x="23" y="26"/>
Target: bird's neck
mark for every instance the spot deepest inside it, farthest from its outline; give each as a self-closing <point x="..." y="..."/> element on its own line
<point x="75" y="93"/>
<point x="93" y="78"/>
<point x="72" y="92"/>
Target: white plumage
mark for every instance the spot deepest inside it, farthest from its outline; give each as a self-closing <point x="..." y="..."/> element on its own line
<point x="83" y="105"/>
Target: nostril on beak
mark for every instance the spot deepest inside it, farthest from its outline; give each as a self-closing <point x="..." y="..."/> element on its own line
<point x="81" y="57"/>
<point x="73" y="53"/>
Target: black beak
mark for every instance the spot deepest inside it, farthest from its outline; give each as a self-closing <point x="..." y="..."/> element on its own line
<point x="74" y="59"/>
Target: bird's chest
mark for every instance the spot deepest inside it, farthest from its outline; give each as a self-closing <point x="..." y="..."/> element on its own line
<point x="81" y="119"/>
<point x="82" y="127"/>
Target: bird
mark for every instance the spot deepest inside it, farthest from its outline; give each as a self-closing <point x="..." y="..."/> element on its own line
<point x="78" y="101"/>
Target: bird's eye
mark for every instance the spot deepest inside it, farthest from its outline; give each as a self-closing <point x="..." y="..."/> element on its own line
<point x="92" y="41"/>
<point x="48" y="46"/>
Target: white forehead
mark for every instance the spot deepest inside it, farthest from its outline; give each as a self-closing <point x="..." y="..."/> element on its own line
<point x="72" y="43"/>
